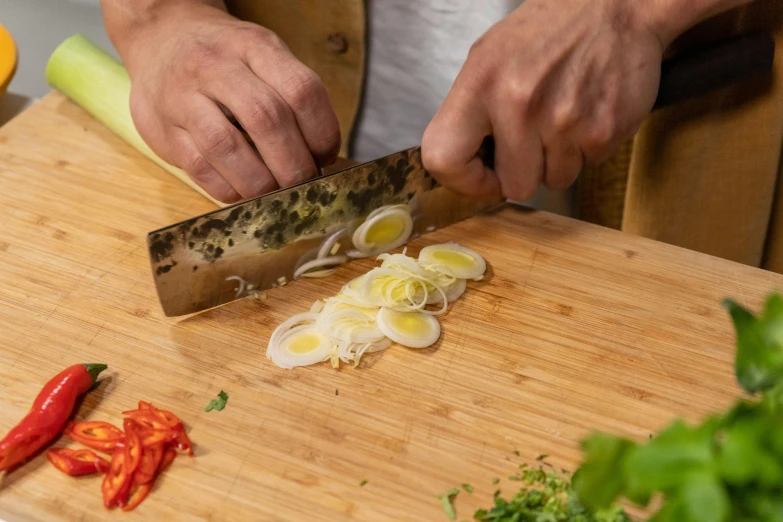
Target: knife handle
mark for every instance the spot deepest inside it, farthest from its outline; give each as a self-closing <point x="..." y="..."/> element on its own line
<point x="698" y="72"/>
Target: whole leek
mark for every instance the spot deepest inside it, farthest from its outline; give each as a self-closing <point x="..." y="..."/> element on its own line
<point x="99" y="84"/>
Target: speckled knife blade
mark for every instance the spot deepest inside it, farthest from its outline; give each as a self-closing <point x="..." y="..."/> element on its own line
<point x="197" y="264"/>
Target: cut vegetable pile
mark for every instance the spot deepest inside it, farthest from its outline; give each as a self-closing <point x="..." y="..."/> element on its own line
<point x="139" y="454"/>
<point x="397" y="302"/>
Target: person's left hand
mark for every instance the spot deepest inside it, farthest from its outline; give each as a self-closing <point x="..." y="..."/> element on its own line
<point x="558" y="84"/>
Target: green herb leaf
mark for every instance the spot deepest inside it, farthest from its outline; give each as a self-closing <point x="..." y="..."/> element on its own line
<point x="468" y="488"/>
<point x="219" y="403"/>
<point x="363" y="482"/>
<point x="661" y="464"/>
<point x="759" y="360"/>
<point x="446" y="502"/>
<point x="599" y="480"/>
<point x="495" y="481"/>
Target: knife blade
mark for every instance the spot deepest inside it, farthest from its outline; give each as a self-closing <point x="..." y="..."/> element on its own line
<point x="255" y="245"/>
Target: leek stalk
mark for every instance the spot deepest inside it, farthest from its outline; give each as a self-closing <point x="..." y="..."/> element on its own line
<point x="99" y="84"/>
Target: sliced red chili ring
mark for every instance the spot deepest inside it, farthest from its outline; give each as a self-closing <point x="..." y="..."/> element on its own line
<point x="97" y="435"/>
<point x="149" y="420"/>
<point x="143" y="406"/>
<point x="170" y="419"/>
<point x="133" y="447"/>
<point x="155" y="437"/>
<point x="184" y="443"/>
<point x="150" y="462"/>
<point x="168" y="457"/>
<point x="77" y="462"/>
<point x="138" y="493"/>
<point x="116" y="482"/>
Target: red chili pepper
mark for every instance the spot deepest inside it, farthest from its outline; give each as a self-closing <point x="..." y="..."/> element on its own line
<point x="143" y="406"/>
<point x="77" y="462"/>
<point x="150" y="462"/>
<point x="49" y="413"/>
<point x="138" y="493"/>
<point x="184" y="443"/>
<point x="155" y="437"/>
<point x="117" y="482"/>
<point x="149" y="420"/>
<point x="154" y="419"/>
<point x="168" y="457"/>
<point x="98" y="435"/>
<point x="133" y="446"/>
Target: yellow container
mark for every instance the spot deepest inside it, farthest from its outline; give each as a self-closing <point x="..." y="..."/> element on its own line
<point x="7" y="60"/>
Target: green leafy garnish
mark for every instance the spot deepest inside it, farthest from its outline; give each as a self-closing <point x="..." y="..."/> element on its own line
<point x="759" y="362"/>
<point x="468" y="488"/>
<point x="545" y="496"/>
<point x="219" y="403"/>
<point x="495" y="481"/>
<point x="727" y="467"/>
<point x="446" y="502"/>
<point x="363" y="482"/>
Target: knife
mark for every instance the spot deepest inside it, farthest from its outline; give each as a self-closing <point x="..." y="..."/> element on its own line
<point x="257" y="244"/>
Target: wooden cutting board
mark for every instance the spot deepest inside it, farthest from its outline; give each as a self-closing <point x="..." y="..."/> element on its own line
<point x="575" y="328"/>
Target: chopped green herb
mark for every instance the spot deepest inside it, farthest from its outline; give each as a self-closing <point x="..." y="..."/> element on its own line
<point x="495" y="481"/>
<point x="541" y="457"/>
<point x="363" y="482"/>
<point x="446" y="502"/>
<point x="219" y="403"/>
<point x="468" y="488"/>
<point x="516" y="452"/>
<point x="544" y="497"/>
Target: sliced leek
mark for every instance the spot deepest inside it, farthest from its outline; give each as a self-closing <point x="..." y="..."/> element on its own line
<point x="397" y="302"/>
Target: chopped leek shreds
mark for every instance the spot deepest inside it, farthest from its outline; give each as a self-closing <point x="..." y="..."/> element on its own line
<point x="397" y="302"/>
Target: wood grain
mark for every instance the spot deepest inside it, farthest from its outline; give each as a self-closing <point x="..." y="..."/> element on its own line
<point x="575" y="328"/>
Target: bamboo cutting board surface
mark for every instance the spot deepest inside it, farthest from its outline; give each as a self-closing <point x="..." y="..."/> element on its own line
<point x="574" y="328"/>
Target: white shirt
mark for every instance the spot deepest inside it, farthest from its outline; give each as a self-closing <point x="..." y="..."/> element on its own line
<point x="416" y="48"/>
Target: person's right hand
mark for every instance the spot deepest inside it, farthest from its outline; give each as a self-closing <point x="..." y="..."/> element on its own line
<point x="191" y="65"/>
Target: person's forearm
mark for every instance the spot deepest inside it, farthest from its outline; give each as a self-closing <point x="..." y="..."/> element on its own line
<point x="670" y="18"/>
<point x="123" y="19"/>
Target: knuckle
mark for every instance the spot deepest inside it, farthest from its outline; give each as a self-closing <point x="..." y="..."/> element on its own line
<point x="200" y="171"/>
<point x="201" y="57"/>
<point x="519" y="94"/>
<point x="255" y="37"/>
<point x="435" y="158"/>
<point x="478" y="45"/>
<point x="600" y="134"/>
<point x="265" y="115"/>
<point x="303" y="90"/>
<point x="219" y="141"/>
<point x="565" y="116"/>
<point x="197" y="166"/>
